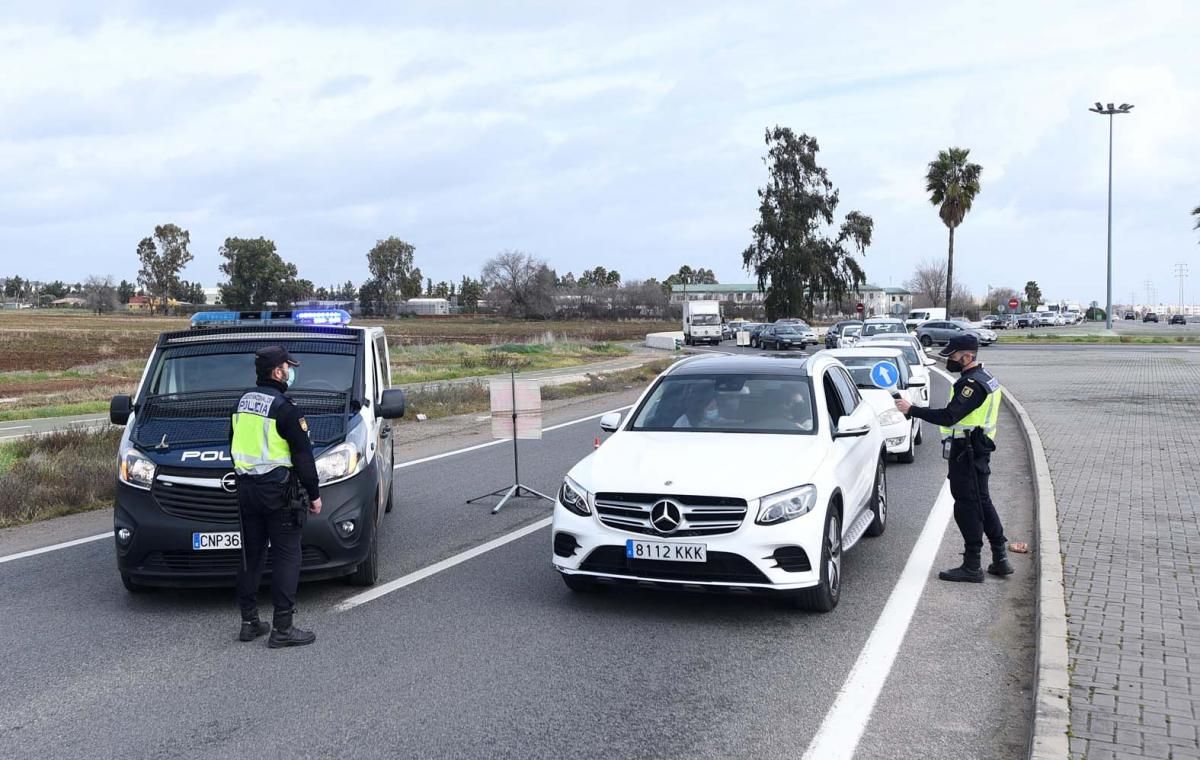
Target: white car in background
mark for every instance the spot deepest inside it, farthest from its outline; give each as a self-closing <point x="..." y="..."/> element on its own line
<point x="653" y="503"/>
<point x="849" y="336"/>
<point x="901" y="434"/>
<point x="918" y="362"/>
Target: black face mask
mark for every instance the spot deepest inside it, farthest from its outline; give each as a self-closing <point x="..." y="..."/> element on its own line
<point x="953" y="365"/>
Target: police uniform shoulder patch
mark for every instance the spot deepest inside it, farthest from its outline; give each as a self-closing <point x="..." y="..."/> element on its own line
<point x="304" y="424"/>
<point x="968" y="392"/>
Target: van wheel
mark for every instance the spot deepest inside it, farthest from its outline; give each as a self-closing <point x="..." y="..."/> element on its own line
<point x="824" y="596"/>
<point x="367" y="572"/>
<point x="926" y="341"/>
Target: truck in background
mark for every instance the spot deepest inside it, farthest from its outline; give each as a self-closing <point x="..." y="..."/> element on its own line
<point x="701" y="322"/>
<point x="917" y="316"/>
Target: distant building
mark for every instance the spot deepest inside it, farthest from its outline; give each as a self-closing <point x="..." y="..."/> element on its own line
<point x="70" y="302"/>
<point x="425" y="306"/>
<point x="747" y="293"/>
<point x="212" y="295"/>
<point x="880" y="302"/>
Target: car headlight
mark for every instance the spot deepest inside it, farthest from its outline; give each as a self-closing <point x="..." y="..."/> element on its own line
<point x="786" y="505"/>
<point x="891" y="417"/>
<point x="339" y="463"/>
<point x="134" y="468"/>
<point x="572" y="496"/>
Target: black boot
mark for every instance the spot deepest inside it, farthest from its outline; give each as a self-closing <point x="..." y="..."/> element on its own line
<point x="999" y="564"/>
<point x="253" y="628"/>
<point x="968" y="572"/>
<point x="288" y="635"/>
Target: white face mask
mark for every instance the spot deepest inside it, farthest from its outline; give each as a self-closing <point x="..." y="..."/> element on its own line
<point x="291" y="376"/>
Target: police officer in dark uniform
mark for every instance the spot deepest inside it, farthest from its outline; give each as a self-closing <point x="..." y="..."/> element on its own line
<point x="968" y="425"/>
<point x="270" y="448"/>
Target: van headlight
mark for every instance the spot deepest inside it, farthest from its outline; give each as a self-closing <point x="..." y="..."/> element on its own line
<point x="572" y="496"/>
<point x="339" y="463"/>
<point x="787" y="505"/>
<point x="134" y="468"/>
<point x="891" y="417"/>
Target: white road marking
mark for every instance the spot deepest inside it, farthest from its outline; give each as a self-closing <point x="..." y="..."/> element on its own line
<point x="844" y="724"/>
<point x="437" y="567"/>
<point x="499" y="441"/>
<point x="55" y="547"/>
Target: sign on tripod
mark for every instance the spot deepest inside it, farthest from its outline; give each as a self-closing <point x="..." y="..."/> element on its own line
<point x="516" y="409"/>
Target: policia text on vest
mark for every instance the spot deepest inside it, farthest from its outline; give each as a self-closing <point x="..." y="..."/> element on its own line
<point x="968" y="425"/>
<point x="273" y="459"/>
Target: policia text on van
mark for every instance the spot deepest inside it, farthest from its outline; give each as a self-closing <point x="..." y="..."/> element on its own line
<point x="175" y="518"/>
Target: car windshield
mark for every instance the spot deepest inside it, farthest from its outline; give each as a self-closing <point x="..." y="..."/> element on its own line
<point x="729" y="403"/>
<point x="878" y="328"/>
<point x="860" y="368"/>
<point x="786" y="330"/>
<point x="910" y="354"/>
<point x="178" y="372"/>
<point x="706" y="319"/>
<point x="851" y="330"/>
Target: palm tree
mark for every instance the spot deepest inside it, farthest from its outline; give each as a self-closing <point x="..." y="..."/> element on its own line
<point x="1196" y="213"/>
<point x="952" y="184"/>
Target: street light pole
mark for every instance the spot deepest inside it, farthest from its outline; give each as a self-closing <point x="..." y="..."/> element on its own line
<point x="1110" y="112"/>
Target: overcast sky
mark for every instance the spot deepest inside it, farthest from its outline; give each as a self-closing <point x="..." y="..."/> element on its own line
<point x="627" y="135"/>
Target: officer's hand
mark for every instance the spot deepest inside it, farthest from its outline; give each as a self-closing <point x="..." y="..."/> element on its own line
<point x="315" y="507"/>
<point x="903" y="406"/>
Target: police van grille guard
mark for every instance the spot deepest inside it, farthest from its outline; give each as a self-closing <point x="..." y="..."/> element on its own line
<point x="196" y="418"/>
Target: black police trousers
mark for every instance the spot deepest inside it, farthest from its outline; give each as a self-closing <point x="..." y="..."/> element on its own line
<point x="263" y="501"/>
<point x="974" y="512"/>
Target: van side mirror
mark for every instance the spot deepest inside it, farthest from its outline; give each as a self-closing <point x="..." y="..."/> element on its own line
<point x="610" y="422"/>
<point x="119" y="409"/>
<point x="391" y="404"/>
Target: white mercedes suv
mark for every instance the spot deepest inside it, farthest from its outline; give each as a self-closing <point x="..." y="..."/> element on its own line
<point x="656" y="503"/>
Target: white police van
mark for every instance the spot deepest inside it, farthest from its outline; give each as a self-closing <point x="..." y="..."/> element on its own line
<point x="175" y="519"/>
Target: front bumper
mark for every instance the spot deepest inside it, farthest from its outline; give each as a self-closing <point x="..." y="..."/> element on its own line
<point x="896" y="437"/>
<point x="748" y="558"/>
<point x="159" y="553"/>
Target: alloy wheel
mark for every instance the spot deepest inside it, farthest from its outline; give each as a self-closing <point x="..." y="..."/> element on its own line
<point x="833" y="543"/>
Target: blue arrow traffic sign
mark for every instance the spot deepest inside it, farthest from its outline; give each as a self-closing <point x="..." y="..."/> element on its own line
<point x="885" y="374"/>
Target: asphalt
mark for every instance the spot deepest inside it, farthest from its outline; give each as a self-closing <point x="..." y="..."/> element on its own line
<point x="495" y="657"/>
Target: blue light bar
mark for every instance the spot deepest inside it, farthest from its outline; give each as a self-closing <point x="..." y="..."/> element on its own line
<point x="321" y="317"/>
<point x="314" y="317"/>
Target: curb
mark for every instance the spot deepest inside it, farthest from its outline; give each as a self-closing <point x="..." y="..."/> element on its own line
<point x="1052" y="706"/>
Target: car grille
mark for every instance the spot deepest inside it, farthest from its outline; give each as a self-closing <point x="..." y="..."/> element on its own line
<point x="217" y="562"/>
<point x="195" y="495"/>
<point x="721" y="567"/>
<point x="702" y="515"/>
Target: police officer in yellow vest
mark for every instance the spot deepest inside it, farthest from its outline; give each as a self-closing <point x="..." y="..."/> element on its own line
<point x="269" y="445"/>
<point x="968" y="425"/>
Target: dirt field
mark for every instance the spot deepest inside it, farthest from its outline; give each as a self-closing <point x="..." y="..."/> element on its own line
<point x="55" y="358"/>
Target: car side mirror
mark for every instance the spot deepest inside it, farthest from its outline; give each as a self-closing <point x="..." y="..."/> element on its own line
<point x="391" y="404"/>
<point x="610" y="422"/>
<point x="119" y="409"/>
<point x="928" y="362"/>
<point x="851" y="429"/>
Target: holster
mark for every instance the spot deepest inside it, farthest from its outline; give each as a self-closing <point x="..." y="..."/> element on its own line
<point x="297" y="501"/>
<point x="981" y="445"/>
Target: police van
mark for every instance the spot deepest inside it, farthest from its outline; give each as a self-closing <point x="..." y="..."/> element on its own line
<point x="176" y="520"/>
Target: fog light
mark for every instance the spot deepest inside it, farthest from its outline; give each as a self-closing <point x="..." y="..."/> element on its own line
<point x="895" y="441"/>
<point x="123" y="535"/>
<point x="346" y="528"/>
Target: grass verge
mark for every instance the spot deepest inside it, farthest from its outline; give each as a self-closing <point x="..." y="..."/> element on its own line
<point x="474" y="397"/>
<point x="450" y="361"/>
<point x="1034" y="338"/>
<point x="54" y="410"/>
<point x="57" y="474"/>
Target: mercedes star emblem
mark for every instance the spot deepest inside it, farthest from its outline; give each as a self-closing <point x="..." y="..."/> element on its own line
<point x="666" y="516"/>
<point x="229" y="482"/>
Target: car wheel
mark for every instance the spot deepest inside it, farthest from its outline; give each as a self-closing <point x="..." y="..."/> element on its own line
<point x="580" y="584"/>
<point x="824" y="596"/>
<point x="926" y="341"/>
<point x="909" y="456"/>
<point x="920" y="435"/>
<point x="391" y="502"/>
<point x="131" y="586"/>
<point x="879" y="505"/>
<point x="367" y="572"/>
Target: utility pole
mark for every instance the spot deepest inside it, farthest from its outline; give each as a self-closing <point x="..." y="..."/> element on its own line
<point x="1110" y="111"/>
<point x="1181" y="273"/>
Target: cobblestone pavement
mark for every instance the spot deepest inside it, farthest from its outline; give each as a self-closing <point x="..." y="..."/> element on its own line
<point x="1121" y="435"/>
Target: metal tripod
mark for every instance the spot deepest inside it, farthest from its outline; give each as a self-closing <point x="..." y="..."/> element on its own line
<point x="517" y="489"/>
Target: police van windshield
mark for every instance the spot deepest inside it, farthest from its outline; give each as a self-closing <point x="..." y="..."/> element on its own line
<point x="235" y="372"/>
<point x="729" y="404"/>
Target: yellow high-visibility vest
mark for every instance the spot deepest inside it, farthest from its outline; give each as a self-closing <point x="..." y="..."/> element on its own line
<point x="257" y="446"/>
<point x="985" y="416"/>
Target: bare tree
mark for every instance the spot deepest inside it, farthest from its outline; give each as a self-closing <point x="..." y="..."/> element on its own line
<point x="521" y="285"/>
<point x="928" y="283"/>
<point x="101" y="293"/>
<point x="963" y="303"/>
